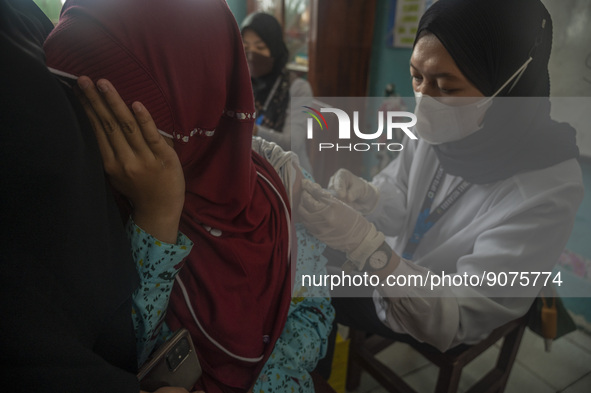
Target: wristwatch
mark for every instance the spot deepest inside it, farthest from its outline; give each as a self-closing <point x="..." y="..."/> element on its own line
<point x="379" y="259"/>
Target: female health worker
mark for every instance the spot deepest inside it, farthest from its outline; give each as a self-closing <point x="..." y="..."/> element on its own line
<point x="491" y="186"/>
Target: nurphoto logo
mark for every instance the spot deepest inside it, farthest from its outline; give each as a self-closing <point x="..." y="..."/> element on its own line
<point x="393" y="119"/>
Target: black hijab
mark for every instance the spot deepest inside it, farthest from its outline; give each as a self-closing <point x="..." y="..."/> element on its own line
<point x="66" y="267"/>
<point x="489" y="41"/>
<point x="270" y="31"/>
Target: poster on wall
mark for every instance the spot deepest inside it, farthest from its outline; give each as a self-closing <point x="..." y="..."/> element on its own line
<point x="404" y="19"/>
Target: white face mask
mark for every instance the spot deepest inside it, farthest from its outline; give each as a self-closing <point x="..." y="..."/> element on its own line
<point x="441" y="123"/>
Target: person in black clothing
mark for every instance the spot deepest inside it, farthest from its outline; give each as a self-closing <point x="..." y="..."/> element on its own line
<point x="66" y="268"/>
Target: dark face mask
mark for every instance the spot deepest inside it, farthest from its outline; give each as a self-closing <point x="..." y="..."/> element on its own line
<point x="259" y="65"/>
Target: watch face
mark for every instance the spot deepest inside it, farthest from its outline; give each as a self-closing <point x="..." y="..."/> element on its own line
<point x="378" y="260"/>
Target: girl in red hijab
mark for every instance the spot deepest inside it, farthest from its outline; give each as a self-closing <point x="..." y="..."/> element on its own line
<point x="183" y="59"/>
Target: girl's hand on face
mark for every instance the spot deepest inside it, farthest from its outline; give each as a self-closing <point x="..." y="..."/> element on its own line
<point x="137" y="159"/>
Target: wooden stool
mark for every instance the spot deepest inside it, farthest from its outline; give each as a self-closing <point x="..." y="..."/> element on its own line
<point x="450" y="363"/>
<point x="320" y="385"/>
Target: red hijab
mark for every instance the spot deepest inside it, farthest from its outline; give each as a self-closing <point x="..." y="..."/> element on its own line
<point x="183" y="59"/>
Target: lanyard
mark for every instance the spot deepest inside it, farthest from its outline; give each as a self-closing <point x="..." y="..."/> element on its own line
<point x="261" y="116"/>
<point x="426" y="218"/>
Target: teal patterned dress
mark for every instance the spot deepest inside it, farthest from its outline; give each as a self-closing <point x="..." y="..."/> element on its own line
<point x="304" y="338"/>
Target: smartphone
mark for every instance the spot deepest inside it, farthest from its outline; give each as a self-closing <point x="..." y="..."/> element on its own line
<point x="175" y="363"/>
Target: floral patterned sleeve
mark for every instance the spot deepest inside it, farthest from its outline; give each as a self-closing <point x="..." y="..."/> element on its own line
<point x="304" y="339"/>
<point x="157" y="264"/>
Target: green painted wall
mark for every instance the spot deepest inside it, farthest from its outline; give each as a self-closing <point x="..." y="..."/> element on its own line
<point x="238" y="8"/>
<point x="388" y="64"/>
<point x="51" y="8"/>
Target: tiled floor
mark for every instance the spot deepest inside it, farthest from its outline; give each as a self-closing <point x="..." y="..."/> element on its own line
<point x="566" y="369"/>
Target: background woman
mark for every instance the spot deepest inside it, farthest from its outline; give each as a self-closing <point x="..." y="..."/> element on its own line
<point x="274" y="85"/>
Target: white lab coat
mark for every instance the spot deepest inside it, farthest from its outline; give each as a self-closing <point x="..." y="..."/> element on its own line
<point x="519" y="224"/>
<point x="293" y="135"/>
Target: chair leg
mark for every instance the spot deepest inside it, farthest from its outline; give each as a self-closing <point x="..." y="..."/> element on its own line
<point x="509" y="350"/>
<point x="496" y="380"/>
<point x="448" y="379"/>
<point x="353" y="367"/>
